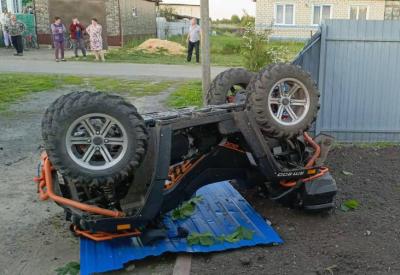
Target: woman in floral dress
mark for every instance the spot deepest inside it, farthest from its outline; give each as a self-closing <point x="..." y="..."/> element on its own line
<point x="96" y="41"/>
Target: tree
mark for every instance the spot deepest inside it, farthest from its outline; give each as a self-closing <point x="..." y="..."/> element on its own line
<point x="168" y="13"/>
<point x="247" y="19"/>
<point x="257" y="51"/>
<point x="235" y="19"/>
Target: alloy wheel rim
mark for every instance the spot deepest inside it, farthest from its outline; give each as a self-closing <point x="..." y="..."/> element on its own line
<point x="288" y="101"/>
<point x="96" y="141"/>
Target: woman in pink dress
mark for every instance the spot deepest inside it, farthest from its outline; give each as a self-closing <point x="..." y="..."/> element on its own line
<point x="96" y="41"/>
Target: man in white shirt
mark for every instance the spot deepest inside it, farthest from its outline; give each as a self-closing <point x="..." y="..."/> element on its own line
<point x="193" y="40"/>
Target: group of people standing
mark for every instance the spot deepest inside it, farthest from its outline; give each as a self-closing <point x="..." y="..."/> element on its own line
<point x="77" y="32"/>
<point x="14" y="29"/>
<point x="12" y="32"/>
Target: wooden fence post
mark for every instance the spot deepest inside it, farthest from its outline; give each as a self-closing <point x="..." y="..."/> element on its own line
<point x="205" y="47"/>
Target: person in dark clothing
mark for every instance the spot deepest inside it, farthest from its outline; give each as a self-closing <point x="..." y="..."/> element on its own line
<point x="77" y="30"/>
<point x="58" y="30"/>
<point x="193" y="40"/>
<point x="16" y="28"/>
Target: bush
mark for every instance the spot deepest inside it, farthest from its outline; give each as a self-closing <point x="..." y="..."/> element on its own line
<point x="230" y="48"/>
<point x="277" y="54"/>
<point x="257" y="51"/>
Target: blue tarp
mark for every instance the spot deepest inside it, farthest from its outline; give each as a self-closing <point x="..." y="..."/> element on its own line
<point x="221" y="212"/>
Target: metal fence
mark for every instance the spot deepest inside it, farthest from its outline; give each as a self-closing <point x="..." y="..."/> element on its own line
<point x="357" y="65"/>
<point x="167" y="29"/>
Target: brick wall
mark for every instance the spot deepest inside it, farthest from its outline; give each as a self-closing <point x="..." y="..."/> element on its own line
<point x="112" y="17"/>
<point x="42" y="16"/>
<point x="141" y="25"/>
<point x="303" y="10"/>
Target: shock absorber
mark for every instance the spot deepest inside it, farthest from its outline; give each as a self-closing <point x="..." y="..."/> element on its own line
<point x="109" y="195"/>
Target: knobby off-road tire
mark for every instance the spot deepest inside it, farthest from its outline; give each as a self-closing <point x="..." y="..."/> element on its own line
<point x="225" y="82"/>
<point x="284" y="100"/>
<point x="58" y="104"/>
<point x="85" y="122"/>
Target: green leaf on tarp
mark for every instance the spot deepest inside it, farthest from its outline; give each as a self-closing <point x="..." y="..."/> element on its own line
<point x="186" y="209"/>
<point x="192" y="239"/>
<point x="349" y="205"/>
<point x="207" y="239"/>
<point x="196" y="199"/>
<point x="347" y="173"/>
<point x="71" y="268"/>
<point x="246" y="233"/>
<point x="241" y="233"/>
<point x="232" y="238"/>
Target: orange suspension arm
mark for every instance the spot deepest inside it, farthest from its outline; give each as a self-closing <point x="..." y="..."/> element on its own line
<point x="45" y="184"/>
<point x="310" y="163"/>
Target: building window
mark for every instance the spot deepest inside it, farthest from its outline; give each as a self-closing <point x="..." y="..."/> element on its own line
<point x="359" y="12"/>
<point x="320" y="13"/>
<point x="392" y="13"/>
<point x="284" y="14"/>
<point x="134" y="12"/>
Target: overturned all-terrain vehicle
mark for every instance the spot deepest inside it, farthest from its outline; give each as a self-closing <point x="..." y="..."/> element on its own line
<point x="115" y="172"/>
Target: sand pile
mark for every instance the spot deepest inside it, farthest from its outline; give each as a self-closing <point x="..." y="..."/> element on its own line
<point x="156" y="45"/>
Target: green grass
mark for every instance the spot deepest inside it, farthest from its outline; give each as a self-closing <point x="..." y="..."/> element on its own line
<point x="15" y="86"/>
<point x="68" y="80"/>
<point x="219" y="43"/>
<point x="126" y="55"/>
<point x="187" y="94"/>
<point x="132" y="56"/>
<point x="128" y="87"/>
<point x="225" y="51"/>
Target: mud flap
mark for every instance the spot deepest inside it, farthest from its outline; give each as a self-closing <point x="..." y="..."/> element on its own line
<point x="319" y="194"/>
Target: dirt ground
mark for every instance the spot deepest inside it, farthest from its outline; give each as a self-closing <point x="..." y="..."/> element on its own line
<point x="35" y="239"/>
<point x="365" y="241"/>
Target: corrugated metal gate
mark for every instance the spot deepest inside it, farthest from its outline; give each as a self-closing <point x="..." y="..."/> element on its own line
<point x="357" y="67"/>
<point x="30" y="24"/>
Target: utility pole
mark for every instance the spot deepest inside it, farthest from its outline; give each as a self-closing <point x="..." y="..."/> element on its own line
<point x="205" y="47"/>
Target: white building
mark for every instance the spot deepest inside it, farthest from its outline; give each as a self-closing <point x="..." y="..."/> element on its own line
<point x="183" y="10"/>
<point x="13" y="6"/>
